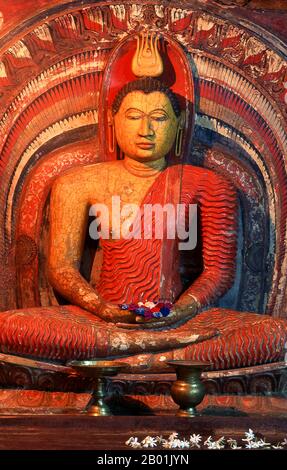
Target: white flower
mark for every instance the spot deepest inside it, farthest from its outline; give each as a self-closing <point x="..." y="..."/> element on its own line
<point x="195" y="439"/>
<point x="140" y="304"/>
<point x="252" y="445"/>
<point x="214" y="444"/>
<point x="133" y="442"/>
<point x="250" y="436"/>
<point x="149" y="442"/>
<point x="173" y="436"/>
<point x="277" y="446"/>
<point x="220" y="443"/>
<point x="209" y="443"/>
<point x="160" y="440"/>
<point x="208" y="440"/>
<point x="233" y="444"/>
<point x="184" y="444"/>
<point x="166" y="445"/>
<point x="284" y="443"/>
<point x="149" y="304"/>
<point x="262" y="443"/>
<point x="175" y="444"/>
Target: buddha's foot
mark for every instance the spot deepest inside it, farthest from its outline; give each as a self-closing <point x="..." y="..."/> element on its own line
<point x="194" y="337"/>
<point x="133" y="342"/>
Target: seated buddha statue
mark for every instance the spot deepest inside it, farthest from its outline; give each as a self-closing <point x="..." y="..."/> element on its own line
<point x="146" y="122"/>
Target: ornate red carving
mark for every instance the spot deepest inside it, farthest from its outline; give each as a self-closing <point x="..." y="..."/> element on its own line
<point x="26" y="250"/>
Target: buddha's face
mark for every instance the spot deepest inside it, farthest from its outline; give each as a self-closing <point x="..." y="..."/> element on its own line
<point x="145" y="125"/>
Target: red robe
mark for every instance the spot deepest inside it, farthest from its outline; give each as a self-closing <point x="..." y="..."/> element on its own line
<point x="135" y="270"/>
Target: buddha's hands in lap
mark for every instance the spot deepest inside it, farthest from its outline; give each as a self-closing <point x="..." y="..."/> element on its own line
<point x="112" y="313"/>
<point x="180" y="313"/>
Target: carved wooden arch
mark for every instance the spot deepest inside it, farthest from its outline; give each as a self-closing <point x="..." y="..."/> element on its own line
<point x="50" y="73"/>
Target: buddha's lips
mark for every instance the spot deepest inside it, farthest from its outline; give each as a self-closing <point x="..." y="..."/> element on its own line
<point x="145" y="145"/>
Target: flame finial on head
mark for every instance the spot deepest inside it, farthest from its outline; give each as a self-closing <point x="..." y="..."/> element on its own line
<point x="147" y="61"/>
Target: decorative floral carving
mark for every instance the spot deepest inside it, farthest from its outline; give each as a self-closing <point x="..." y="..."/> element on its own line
<point x="26" y="250"/>
<point x="150" y="389"/>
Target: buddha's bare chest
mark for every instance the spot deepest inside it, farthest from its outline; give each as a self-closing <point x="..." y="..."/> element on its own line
<point x="125" y="192"/>
<point x="120" y="203"/>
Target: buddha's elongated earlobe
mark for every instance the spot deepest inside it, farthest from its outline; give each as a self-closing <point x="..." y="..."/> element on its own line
<point x="111" y="137"/>
<point x="178" y="141"/>
<point x="111" y="133"/>
<point x="179" y="135"/>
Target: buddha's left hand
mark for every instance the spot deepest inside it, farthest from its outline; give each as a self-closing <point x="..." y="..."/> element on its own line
<point x="181" y="311"/>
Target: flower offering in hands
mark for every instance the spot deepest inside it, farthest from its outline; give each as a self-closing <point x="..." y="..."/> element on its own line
<point x="149" y="309"/>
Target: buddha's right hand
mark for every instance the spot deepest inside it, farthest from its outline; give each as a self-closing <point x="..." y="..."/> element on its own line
<point x="112" y="313"/>
<point x="181" y="313"/>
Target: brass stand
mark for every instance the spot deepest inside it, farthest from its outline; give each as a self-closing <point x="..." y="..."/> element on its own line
<point x="97" y="405"/>
<point x="188" y="390"/>
<point x="98" y="370"/>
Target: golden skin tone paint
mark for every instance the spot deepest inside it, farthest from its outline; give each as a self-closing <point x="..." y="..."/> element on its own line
<point x="145" y="126"/>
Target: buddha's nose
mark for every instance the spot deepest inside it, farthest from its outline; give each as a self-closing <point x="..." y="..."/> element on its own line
<point x="146" y="128"/>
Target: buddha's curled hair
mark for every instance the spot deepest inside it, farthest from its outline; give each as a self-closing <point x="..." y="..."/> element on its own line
<point x="146" y="85"/>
